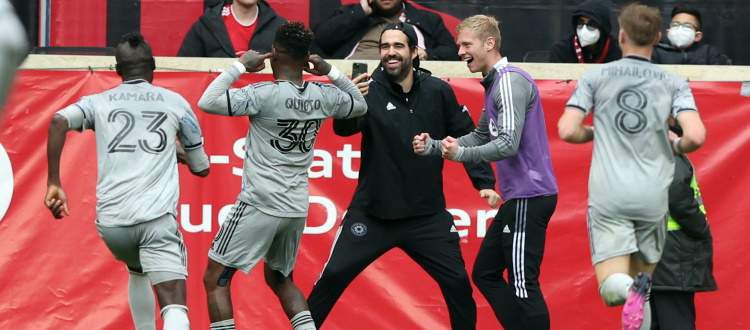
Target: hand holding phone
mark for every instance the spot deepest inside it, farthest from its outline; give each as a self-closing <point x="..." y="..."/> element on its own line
<point x="358" y="68"/>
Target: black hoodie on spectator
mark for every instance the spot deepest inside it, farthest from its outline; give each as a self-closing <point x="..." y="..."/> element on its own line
<point x="598" y="11"/>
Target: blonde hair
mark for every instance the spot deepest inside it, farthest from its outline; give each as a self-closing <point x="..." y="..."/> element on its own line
<point x="483" y="27"/>
<point x="641" y="23"/>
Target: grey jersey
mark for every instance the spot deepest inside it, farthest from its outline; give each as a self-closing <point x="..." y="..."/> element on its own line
<point x="284" y="121"/>
<point x="136" y="124"/>
<point x="633" y="164"/>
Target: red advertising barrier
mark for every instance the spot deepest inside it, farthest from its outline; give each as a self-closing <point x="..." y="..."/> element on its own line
<point x="58" y="274"/>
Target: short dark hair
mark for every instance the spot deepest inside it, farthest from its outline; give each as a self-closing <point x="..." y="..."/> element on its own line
<point x="293" y="39"/>
<point x="690" y="11"/>
<point x="134" y="53"/>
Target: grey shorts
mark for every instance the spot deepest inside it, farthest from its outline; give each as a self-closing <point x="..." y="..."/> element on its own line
<point x="247" y="235"/>
<point x="612" y="237"/>
<point x="152" y="246"/>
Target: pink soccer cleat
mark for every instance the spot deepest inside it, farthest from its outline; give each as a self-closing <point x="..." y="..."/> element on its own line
<point x="632" y="311"/>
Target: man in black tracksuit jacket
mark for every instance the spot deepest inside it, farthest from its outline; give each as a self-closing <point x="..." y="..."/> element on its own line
<point x="399" y="201"/>
<point x="338" y="34"/>
<point x="686" y="265"/>
<point x="209" y="37"/>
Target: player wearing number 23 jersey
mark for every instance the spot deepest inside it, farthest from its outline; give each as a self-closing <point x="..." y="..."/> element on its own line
<point x="136" y="124"/>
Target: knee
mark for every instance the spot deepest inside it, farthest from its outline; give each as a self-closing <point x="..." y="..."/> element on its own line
<point x="480" y="275"/>
<point x="456" y="280"/>
<point x="614" y="289"/>
<point x="218" y="278"/>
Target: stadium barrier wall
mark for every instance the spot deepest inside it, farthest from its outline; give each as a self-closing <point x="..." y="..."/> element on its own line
<point x="58" y="274"/>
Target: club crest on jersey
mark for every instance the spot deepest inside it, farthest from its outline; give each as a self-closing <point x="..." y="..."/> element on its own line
<point x="359" y="229"/>
<point x="493" y="127"/>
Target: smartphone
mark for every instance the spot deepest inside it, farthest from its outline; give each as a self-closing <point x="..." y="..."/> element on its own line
<point x="358" y="68"/>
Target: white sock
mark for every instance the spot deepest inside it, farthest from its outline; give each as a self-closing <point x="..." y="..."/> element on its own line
<point x="646" y="325"/>
<point x="142" y="302"/>
<point x="303" y="321"/>
<point x="223" y="325"/>
<point x="614" y="290"/>
<point x="175" y="317"/>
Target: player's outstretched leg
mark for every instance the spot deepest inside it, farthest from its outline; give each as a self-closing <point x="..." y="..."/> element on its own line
<point x="291" y="298"/>
<point x="172" y="295"/>
<point x="635" y="305"/>
<point x="141" y="300"/>
<point x="217" y="281"/>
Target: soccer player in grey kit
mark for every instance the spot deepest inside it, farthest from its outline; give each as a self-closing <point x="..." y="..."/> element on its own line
<point x="269" y="216"/>
<point x="633" y="161"/>
<point x="138" y="184"/>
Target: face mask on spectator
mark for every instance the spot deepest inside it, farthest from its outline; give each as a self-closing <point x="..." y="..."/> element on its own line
<point x="681" y="37"/>
<point x="587" y="36"/>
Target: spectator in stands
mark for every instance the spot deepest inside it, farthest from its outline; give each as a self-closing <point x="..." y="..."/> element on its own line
<point x="230" y="30"/>
<point x="682" y="44"/>
<point x="353" y="32"/>
<point x="592" y="41"/>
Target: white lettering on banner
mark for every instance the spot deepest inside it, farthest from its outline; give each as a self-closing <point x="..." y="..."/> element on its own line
<point x="322" y="164"/>
<point x="346" y="165"/>
<point x="325" y="163"/>
<point x="6" y="182"/>
<point x="461" y="218"/>
<point x="188" y="226"/>
<point x="207" y="210"/>
<point x="239" y="151"/>
<point x="330" y="216"/>
<point x="462" y="221"/>
<point x="482" y="217"/>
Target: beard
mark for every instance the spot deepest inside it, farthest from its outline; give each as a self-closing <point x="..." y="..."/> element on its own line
<point x="387" y="12"/>
<point x="399" y="72"/>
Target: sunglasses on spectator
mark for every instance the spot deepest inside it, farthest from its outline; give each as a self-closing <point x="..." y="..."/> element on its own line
<point x="591" y="26"/>
<point x="685" y="25"/>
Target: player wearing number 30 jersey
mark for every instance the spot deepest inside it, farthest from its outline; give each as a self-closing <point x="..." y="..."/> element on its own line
<point x="269" y="216"/>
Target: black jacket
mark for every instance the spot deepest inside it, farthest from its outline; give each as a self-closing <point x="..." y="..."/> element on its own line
<point x="696" y="54"/>
<point x="598" y="11"/>
<point x="394" y="182"/>
<point x="209" y="37"/>
<point x="687" y="261"/>
<point x="338" y="34"/>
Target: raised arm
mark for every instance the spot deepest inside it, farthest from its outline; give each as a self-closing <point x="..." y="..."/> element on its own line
<point x="216" y="98"/>
<point x="357" y="104"/>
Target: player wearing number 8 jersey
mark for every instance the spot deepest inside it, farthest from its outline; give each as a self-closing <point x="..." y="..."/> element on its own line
<point x="633" y="162"/>
<point x="138" y="185"/>
<point x="269" y="216"/>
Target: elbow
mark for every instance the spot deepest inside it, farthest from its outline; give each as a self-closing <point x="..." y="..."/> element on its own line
<point x="565" y="133"/>
<point x="696" y="138"/>
<point x="204" y="104"/>
<point x="59" y="122"/>
<point x="202" y="174"/>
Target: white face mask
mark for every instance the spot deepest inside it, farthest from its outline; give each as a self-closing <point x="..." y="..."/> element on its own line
<point x="681" y="37"/>
<point x="586" y="37"/>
